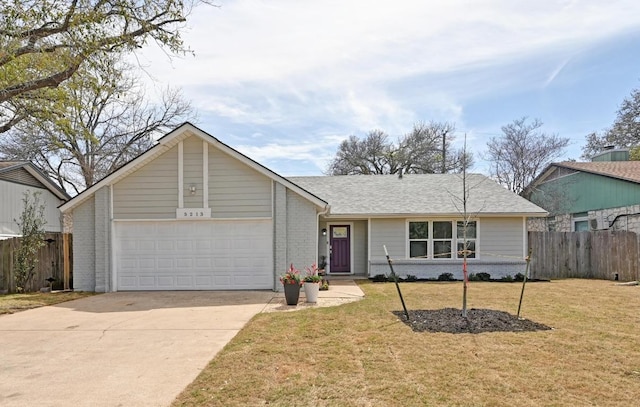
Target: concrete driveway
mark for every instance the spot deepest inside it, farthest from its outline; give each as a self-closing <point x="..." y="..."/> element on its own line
<point x="117" y="349"/>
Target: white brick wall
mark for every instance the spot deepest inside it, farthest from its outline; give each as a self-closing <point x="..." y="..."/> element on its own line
<point x="280" y="233"/>
<point x="433" y="268"/>
<point x="84" y="266"/>
<point x="102" y="240"/>
<point x="301" y="231"/>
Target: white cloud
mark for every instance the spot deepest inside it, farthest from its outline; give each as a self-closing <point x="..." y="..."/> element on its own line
<point x="346" y="67"/>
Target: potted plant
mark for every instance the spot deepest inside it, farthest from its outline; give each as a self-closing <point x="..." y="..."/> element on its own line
<point x="324" y="283"/>
<point x="291" y="283"/>
<point x="322" y="266"/>
<point x="312" y="283"/>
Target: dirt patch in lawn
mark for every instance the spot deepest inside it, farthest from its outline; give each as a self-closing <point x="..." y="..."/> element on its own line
<point x="450" y="320"/>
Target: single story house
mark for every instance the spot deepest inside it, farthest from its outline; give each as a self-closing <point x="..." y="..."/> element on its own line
<point x="603" y="194"/>
<point x="192" y="213"/>
<point x="18" y="177"/>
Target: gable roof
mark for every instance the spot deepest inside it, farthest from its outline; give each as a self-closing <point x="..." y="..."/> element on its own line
<point x="416" y="195"/>
<point x="169" y="141"/>
<point x="624" y="170"/>
<point x="34" y="178"/>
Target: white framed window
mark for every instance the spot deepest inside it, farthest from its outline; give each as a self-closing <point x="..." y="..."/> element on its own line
<point x="471" y="239"/>
<point x="441" y="239"/>
<point x="418" y="240"/>
<point x="580" y="222"/>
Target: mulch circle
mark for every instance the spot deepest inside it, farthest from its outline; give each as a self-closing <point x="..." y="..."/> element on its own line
<point x="450" y="320"/>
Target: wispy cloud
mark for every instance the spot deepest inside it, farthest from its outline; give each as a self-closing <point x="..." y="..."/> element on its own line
<point x="308" y="69"/>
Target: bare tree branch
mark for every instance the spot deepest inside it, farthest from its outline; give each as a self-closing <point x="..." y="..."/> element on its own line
<point x="519" y="155"/>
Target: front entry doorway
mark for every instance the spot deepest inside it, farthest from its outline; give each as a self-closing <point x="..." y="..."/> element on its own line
<point x="340" y="249"/>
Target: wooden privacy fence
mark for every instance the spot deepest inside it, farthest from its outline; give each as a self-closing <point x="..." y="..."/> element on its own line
<point x="52" y="260"/>
<point x="599" y="254"/>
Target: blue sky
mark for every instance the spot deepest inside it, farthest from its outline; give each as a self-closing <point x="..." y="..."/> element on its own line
<point x="285" y="81"/>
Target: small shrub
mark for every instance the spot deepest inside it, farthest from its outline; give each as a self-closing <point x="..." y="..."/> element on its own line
<point x="518" y="277"/>
<point x="411" y="278"/>
<point x="392" y="280"/>
<point x="31" y="225"/>
<point x="473" y="277"/>
<point x="483" y="276"/>
<point x="446" y="277"/>
<point x="379" y="278"/>
<point x="507" y="278"/>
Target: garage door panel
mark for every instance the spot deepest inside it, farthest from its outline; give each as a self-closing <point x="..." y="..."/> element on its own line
<point x="147" y="281"/>
<point x="166" y="281"/>
<point x="194" y="255"/>
<point x="204" y="281"/>
<point x="184" y="281"/>
<point x="128" y="282"/>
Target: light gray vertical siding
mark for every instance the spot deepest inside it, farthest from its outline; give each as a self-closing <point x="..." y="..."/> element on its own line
<point x="11" y="206"/>
<point x="192" y="171"/>
<point x="84" y="266"/>
<point x="360" y="254"/>
<point x="389" y="232"/>
<point x="501" y="238"/>
<point x="150" y="192"/>
<point x="301" y="231"/>
<point x="235" y="189"/>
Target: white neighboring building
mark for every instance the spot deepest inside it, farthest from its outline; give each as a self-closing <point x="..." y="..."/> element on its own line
<point x="17" y="177"/>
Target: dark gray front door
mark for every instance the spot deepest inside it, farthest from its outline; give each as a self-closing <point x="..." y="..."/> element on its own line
<point x="340" y="241"/>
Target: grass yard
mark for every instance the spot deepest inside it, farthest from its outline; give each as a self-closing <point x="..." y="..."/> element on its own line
<point x="360" y="354"/>
<point x="11" y="303"/>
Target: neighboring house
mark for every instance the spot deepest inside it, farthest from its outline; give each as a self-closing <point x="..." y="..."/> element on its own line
<point x="582" y="196"/>
<point x="192" y="213"/>
<point x="18" y="177"/>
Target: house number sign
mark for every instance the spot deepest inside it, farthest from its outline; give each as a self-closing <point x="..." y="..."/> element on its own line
<point x="193" y="213"/>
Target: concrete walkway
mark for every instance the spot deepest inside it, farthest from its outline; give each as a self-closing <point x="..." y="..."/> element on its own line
<point x="339" y="292"/>
<point x="128" y="349"/>
<point x="117" y="349"/>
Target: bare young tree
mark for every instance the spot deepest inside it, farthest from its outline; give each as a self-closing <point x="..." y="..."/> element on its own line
<point x="45" y="42"/>
<point x="426" y="149"/>
<point x="519" y="155"/>
<point x="105" y="122"/>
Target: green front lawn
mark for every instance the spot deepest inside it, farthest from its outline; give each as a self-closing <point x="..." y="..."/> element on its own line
<point x="360" y="354"/>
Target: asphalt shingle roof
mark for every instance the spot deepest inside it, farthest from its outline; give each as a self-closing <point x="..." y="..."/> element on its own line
<point x="414" y="194"/>
<point x="626" y="170"/>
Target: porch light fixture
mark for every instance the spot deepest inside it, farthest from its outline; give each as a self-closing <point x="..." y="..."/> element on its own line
<point x="192" y="189"/>
<point x="324" y="232"/>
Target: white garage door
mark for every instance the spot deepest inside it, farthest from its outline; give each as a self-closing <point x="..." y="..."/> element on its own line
<point x="194" y="255"/>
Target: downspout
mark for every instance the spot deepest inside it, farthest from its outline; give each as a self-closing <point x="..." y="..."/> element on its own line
<point x="326" y="210"/>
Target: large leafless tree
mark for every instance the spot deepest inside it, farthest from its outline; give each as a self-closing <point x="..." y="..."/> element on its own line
<point x="106" y="120"/>
<point x="426" y="149"/>
<point x="625" y="131"/>
<point x="522" y="151"/>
